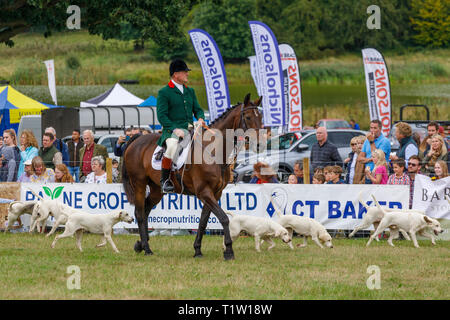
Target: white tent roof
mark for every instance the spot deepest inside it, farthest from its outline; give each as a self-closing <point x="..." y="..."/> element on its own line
<point x="116" y="96"/>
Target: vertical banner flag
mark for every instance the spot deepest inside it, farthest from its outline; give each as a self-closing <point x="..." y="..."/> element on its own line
<point x="378" y="88"/>
<point x="254" y="74"/>
<point x="50" y="65"/>
<point x="208" y="54"/>
<point x="270" y="73"/>
<point x="292" y="88"/>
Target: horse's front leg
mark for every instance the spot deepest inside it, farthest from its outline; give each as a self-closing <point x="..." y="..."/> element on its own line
<point x="211" y="201"/>
<point x="206" y="212"/>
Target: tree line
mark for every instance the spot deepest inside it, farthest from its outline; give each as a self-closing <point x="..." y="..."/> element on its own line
<point x="314" y="28"/>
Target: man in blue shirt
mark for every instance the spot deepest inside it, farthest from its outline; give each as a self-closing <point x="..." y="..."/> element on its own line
<point x="375" y="140"/>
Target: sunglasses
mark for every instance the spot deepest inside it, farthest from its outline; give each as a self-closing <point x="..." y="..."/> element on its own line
<point x="413" y="164"/>
<point x="353" y="144"/>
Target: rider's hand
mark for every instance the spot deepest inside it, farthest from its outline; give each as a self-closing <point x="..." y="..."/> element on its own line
<point x="201" y="122"/>
<point x="179" y="133"/>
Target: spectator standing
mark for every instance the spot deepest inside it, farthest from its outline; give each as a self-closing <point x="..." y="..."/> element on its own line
<point x="353" y="167"/>
<point x="298" y="171"/>
<point x="10" y="157"/>
<point x="408" y="146"/>
<point x="29" y="149"/>
<point x="98" y="174"/>
<point x="379" y="175"/>
<point x="326" y="173"/>
<point x="440" y="169"/>
<point x="119" y="149"/>
<point x="354" y="125"/>
<point x="62" y="174"/>
<point x="48" y="152"/>
<point x="263" y="173"/>
<point x="74" y="146"/>
<point x="438" y="151"/>
<point x="324" y="153"/>
<point x="60" y="145"/>
<point x="89" y="151"/>
<point x="41" y="173"/>
<point x="413" y="169"/>
<point x="28" y="172"/>
<point x="399" y="176"/>
<point x="375" y="140"/>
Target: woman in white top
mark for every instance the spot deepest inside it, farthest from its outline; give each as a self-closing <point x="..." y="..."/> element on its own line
<point x="98" y="174"/>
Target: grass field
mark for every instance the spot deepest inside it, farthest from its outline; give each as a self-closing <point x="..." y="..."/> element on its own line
<point x="32" y="270"/>
<point x="83" y="59"/>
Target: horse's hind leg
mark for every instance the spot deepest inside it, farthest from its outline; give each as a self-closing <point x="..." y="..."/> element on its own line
<point x="206" y="212"/>
<point x="142" y="217"/>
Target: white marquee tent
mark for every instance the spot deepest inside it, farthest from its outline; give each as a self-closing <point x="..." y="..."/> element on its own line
<point x="117" y="96"/>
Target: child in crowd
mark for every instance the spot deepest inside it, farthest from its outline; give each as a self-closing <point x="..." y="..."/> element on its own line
<point x="326" y="173"/>
<point x="335" y="175"/>
<point x="292" y="179"/>
<point x="318" y="178"/>
<point x="399" y="176"/>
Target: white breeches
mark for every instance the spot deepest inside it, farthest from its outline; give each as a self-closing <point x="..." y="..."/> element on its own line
<point x="171" y="147"/>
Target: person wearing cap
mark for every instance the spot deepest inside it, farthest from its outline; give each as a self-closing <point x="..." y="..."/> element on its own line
<point x="25" y="176"/>
<point x="176" y="105"/>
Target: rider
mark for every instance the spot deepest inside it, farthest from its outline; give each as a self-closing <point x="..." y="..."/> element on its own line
<point x="175" y="106"/>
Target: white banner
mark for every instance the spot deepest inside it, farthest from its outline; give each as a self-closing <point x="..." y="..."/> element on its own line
<point x="270" y="73"/>
<point x="254" y="73"/>
<point x="50" y="65"/>
<point x="378" y="88"/>
<point x="292" y="88"/>
<point x="335" y="206"/>
<point x="208" y="53"/>
<point x="429" y="196"/>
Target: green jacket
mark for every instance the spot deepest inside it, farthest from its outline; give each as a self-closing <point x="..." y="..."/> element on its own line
<point x="175" y="109"/>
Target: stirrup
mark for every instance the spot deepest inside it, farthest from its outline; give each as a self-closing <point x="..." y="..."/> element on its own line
<point x="167" y="186"/>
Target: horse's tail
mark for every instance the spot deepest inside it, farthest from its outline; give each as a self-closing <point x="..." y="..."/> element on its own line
<point x="129" y="189"/>
<point x="127" y="185"/>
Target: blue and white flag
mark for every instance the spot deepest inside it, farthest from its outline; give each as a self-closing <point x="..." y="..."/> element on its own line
<point x="254" y="73"/>
<point x="270" y="73"/>
<point x="208" y="54"/>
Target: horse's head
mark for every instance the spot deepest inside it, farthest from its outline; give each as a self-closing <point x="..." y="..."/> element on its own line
<point x="250" y="117"/>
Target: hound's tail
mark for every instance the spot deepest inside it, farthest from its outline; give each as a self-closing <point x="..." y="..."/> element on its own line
<point x="230" y="213"/>
<point x="378" y="205"/>
<point x="362" y="201"/>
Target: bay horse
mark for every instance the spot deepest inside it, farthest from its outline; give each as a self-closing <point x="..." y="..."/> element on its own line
<point x="206" y="181"/>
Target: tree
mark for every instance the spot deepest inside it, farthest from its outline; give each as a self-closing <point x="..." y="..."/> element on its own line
<point x="227" y="22"/>
<point x="158" y="20"/>
<point x="431" y="21"/>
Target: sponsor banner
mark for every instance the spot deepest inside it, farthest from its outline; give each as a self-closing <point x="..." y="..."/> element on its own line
<point x="292" y="88"/>
<point x="335" y="206"/>
<point x="208" y="54"/>
<point x="254" y="74"/>
<point x="50" y="65"/>
<point x="430" y="197"/>
<point x="378" y="88"/>
<point x="270" y="73"/>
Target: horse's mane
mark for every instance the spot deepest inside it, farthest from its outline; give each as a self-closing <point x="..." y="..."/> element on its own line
<point x="225" y="114"/>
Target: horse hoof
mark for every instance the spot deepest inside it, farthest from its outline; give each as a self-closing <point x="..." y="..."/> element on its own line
<point x="198" y="255"/>
<point x="149" y="253"/>
<point x="228" y="256"/>
<point x="138" y="247"/>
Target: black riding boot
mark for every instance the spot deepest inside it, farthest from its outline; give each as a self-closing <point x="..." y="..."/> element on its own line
<point x="166" y="184"/>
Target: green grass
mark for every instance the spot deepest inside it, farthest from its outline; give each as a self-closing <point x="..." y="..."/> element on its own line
<point x="32" y="270"/>
<point x="106" y="62"/>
